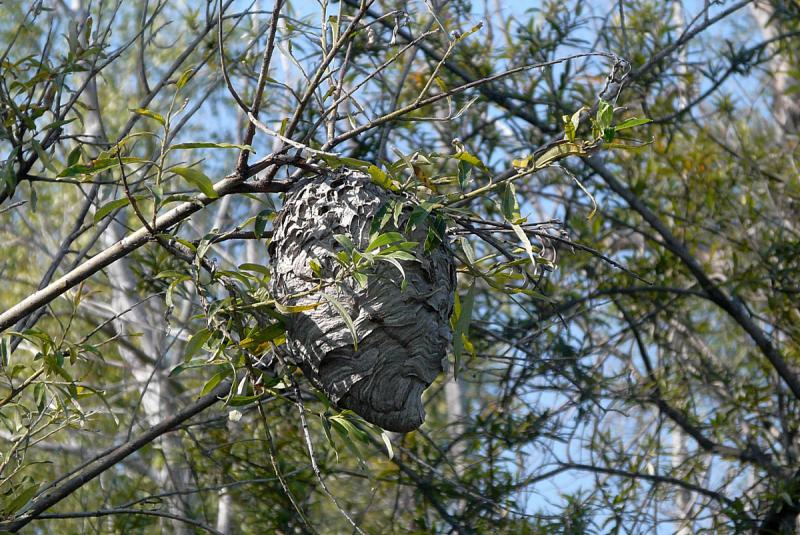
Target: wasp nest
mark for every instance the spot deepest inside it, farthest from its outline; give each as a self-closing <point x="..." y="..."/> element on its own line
<point x="402" y="329"/>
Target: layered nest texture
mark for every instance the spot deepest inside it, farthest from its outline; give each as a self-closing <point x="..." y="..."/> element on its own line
<point x="402" y="329"/>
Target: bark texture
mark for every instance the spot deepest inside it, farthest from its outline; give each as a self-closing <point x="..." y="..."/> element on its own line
<point x="403" y="334"/>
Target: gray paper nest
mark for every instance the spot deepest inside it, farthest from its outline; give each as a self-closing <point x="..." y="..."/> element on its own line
<point x="403" y="335"/>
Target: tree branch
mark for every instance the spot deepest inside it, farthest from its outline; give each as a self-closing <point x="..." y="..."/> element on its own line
<point x="230" y="184"/>
<point x="43" y="502"/>
<point x="715" y="293"/>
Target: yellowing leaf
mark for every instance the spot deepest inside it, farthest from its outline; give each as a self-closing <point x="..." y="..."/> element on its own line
<point x="151" y="114"/>
<point x="521" y="164"/>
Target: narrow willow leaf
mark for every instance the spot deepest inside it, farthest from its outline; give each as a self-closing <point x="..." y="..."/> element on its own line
<point x="464" y="175"/>
<point x="509" y="205"/>
<point x="195" y="344"/>
<point x="185" y="77"/>
<point x="397" y="255"/>
<point x="339" y="161"/>
<point x="212" y="383"/>
<point x="345" y="316"/>
<point x="383" y="180"/>
<point x="144" y="112"/>
<point x="43" y="157"/>
<point x="197" y="179"/>
<point x="526" y="243"/>
<point x="471" y="159"/>
<point x="260" y="222"/>
<point x="384" y="239"/>
<point x="292" y="309"/>
<point x="569" y="128"/>
<point x="395" y="263"/>
<point x="113" y="205"/>
<point x="630" y="123"/>
<point x="74" y="156"/>
<point x="558" y="152"/>
<point x="388" y="443"/>
<point x="461" y="330"/>
<point x="211" y="145"/>
<point x="605" y="114"/>
<point x="345" y="241"/>
<point x="96" y="166"/>
<point x="258" y="268"/>
<point x="23" y="497"/>
<point x="240" y="401"/>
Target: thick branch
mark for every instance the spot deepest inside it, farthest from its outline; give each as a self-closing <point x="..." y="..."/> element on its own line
<point x="715" y="293"/>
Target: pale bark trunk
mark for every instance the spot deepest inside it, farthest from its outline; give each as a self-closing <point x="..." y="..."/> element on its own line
<point x="224" y="511"/>
<point x="683" y="499"/>
<point x="146" y="318"/>
<point x="785" y="107"/>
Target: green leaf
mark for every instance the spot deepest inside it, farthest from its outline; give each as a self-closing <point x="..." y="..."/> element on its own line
<point x="59" y="124"/>
<point x="343" y="418"/>
<point x="419" y="214"/>
<point x="572" y="123"/>
<point x="464" y="175"/>
<point x="316" y="267"/>
<point x="197" y="179"/>
<point x="436" y="232"/>
<point x="212" y="383"/>
<point x="273" y="332"/>
<point x="74" y="156"/>
<point x="605" y="114"/>
<point x="96" y="166"/>
<point x="23" y="497"/>
<point x="344" y="429"/>
<point x="345" y="241"/>
<point x="258" y="268"/>
<point x="361" y="278"/>
<point x="557" y="152"/>
<point x="471" y="159"/>
<point x="630" y="123"/>
<point x="384" y="239"/>
<point x="509" y="205"/>
<point x="195" y="344"/>
<point x="569" y="128"/>
<point x="211" y="145"/>
<point x="292" y="309"/>
<point x="113" y="205"/>
<point x="383" y="180"/>
<point x="340" y="161"/>
<point x="461" y="330"/>
<point x="345" y="316"/>
<point x="239" y="401"/>
<point x="397" y="254"/>
<point x="43" y="157"/>
<point x="260" y="223"/>
<point x="184" y="78"/>
<point x="195" y="363"/>
<point x="151" y="114"/>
